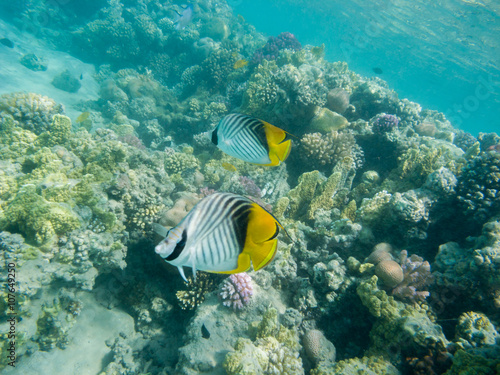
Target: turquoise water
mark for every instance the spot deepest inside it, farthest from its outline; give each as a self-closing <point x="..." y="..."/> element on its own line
<point x="249" y="187"/>
<point x="443" y="55"/>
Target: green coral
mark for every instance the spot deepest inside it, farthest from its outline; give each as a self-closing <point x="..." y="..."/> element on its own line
<point x="53" y="325"/>
<point x="476" y="329"/>
<point x="304" y="192"/>
<point x="370" y="365"/>
<point x="275" y="351"/>
<point x="34" y="112"/>
<point x="417" y="163"/>
<point x="39" y="219"/>
<point x="468" y="363"/>
<point x="178" y="162"/>
<point x="335" y="189"/>
<point x="261" y="91"/>
<point x="397" y="325"/>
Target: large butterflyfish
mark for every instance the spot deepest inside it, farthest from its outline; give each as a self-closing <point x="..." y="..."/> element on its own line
<point x="252" y="140"/>
<point x="223" y="233"/>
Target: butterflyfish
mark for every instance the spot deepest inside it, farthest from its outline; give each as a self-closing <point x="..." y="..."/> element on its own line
<point x="83" y="116"/>
<point x="223" y="233"/>
<point x="229" y="167"/>
<point x="240" y="64"/>
<point x="252" y="140"/>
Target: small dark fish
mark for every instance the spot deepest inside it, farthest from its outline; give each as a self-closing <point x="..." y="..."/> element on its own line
<point x="7" y="42"/>
<point x="377" y="70"/>
<point x="204" y="332"/>
<point x="81" y="76"/>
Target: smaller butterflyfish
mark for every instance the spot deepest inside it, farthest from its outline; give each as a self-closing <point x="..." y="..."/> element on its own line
<point x="223" y="233"/>
<point x="229" y="167"/>
<point x="252" y="140"/>
<point x="240" y="64"/>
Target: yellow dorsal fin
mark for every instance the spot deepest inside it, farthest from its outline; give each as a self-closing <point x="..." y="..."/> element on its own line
<point x="261" y="242"/>
<point x="279" y="146"/>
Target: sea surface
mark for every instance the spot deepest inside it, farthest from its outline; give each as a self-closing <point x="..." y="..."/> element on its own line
<point x="241" y="187"/>
<point x="438" y="54"/>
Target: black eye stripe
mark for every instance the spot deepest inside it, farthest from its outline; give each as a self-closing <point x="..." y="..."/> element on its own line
<point x="178" y="248"/>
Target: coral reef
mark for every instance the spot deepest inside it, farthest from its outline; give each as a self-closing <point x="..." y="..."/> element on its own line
<point x="83" y="203"/>
<point x="33" y="62"/>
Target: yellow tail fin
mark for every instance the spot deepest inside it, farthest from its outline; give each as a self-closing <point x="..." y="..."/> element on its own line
<point x="279" y="148"/>
<point x="261" y="242"/>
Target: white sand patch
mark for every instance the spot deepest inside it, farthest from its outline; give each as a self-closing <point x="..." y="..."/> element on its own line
<point x="87" y="349"/>
<point x="16" y="77"/>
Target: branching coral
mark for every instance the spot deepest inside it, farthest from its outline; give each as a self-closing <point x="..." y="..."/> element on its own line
<point x="327" y="150"/>
<point x="416" y="276"/>
<point x="196" y="290"/>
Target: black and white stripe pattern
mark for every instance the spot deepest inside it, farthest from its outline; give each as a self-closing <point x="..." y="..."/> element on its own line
<point x="215" y="233"/>
<point x="243" y="137"/>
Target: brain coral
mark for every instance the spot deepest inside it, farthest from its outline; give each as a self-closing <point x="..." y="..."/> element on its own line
<point x="390" y="272"/>
<point x="33" y="111"/>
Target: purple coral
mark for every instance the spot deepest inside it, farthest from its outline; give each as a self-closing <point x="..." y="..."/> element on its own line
<point x="385" y="123"/>
<point x="417" y="275"/>
<point x="250" y="187"/>
<point x="205" y="192"/>
<point x="271" y="49"/>
<point x="236" y="291"/>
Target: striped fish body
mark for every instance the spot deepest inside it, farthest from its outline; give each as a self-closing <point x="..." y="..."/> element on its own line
<point x="251" y="140"/>
<point x="223" y="233"/>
